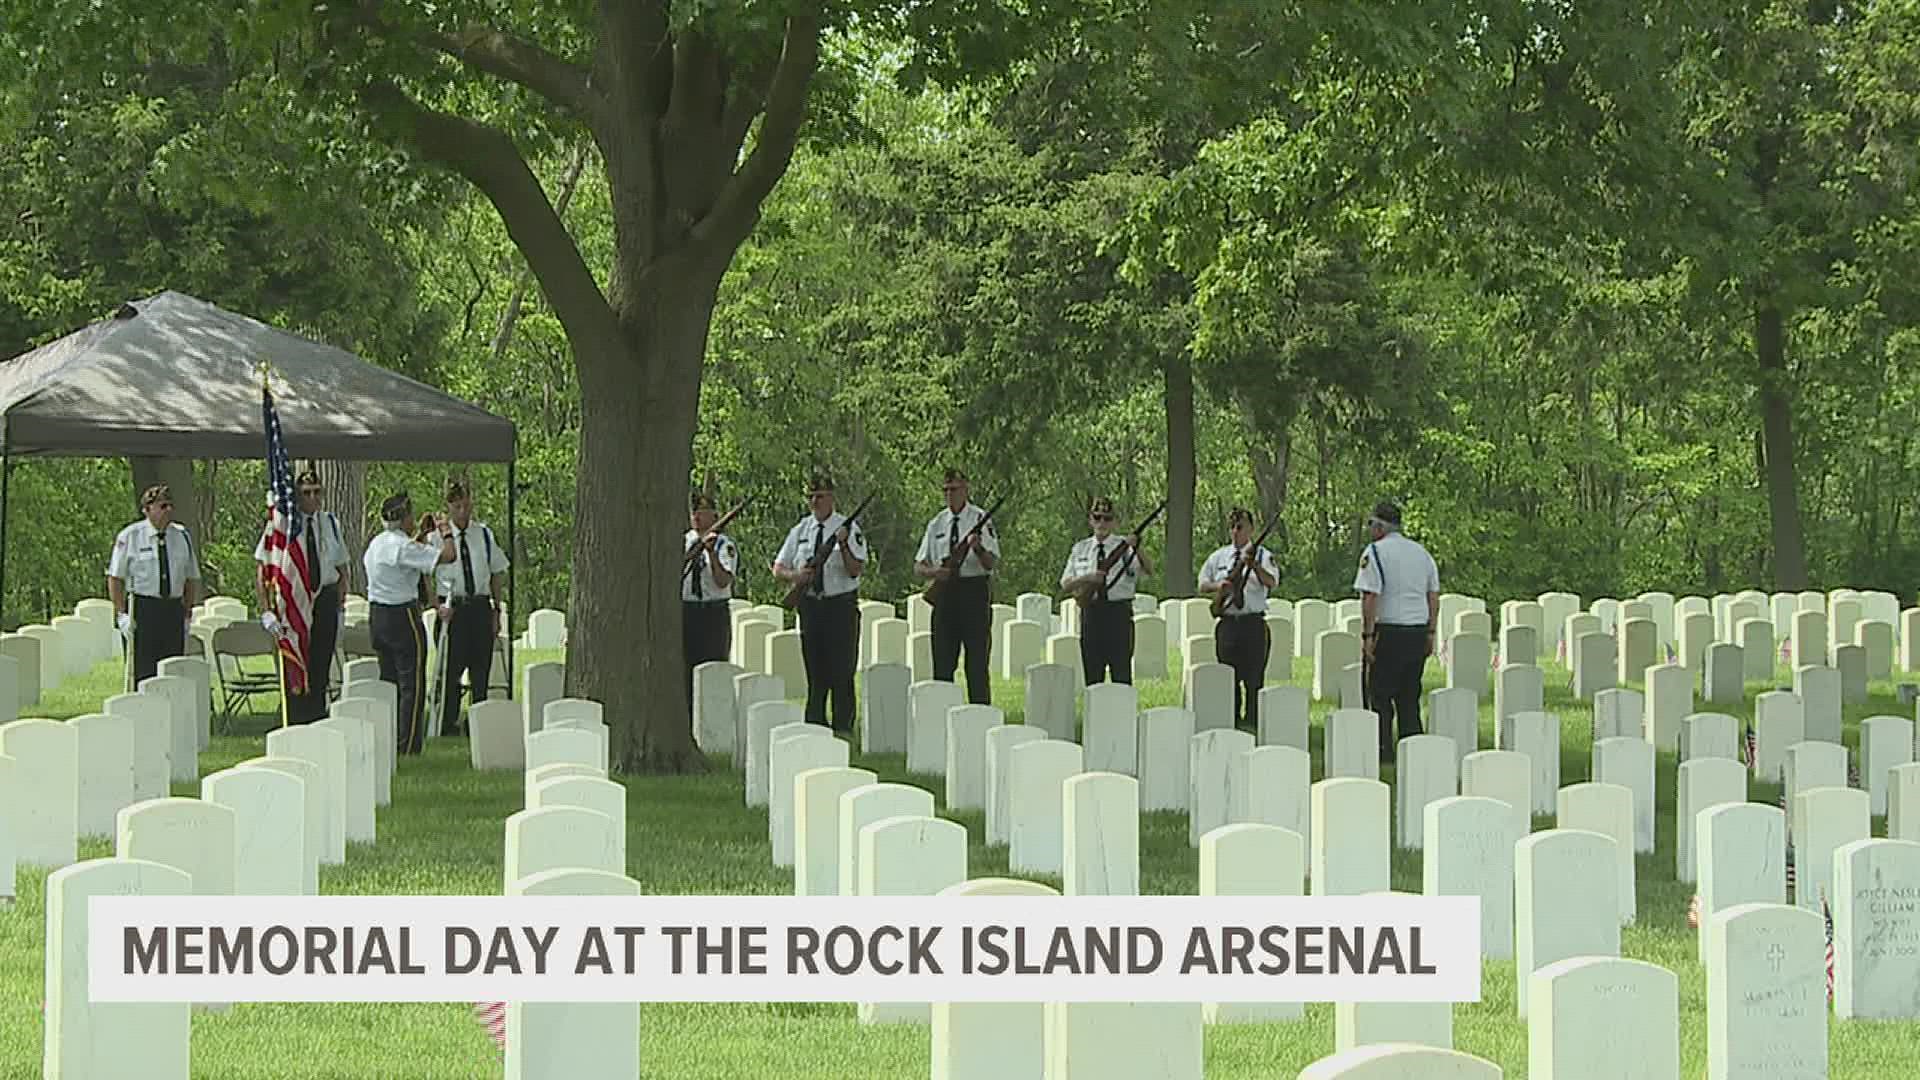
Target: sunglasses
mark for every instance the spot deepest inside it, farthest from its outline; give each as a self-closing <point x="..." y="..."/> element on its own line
<point x="1103" y="517"/>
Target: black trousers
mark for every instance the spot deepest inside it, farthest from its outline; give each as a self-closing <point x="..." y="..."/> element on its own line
<point x="321" y="636"/>
<point x="1106" y="641"/>
<point x="402" y="648"/>
<point x="706" y="633"/>
<point x="1243" y="643"/>
<point x="830" y="649"/>
<point x="1393" y="690"/>
<point x="469" y="652"/>
<point x="964" y="620"/>
<point x="159" y="633"/>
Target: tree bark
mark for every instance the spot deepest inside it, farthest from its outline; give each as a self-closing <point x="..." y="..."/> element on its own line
<point x="177" y="474"/>
<point x="1776" y="427"/>
<point x="1178" y="576"/>
<point x="1272" y="466"/>
<point x="346" y="496"/>
<point x="634" y="460"/>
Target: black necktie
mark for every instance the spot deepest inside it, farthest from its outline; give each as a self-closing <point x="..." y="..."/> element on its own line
<point x="466" y="561"/>
<point x="699" y="567"/>
<point x="313" y="546"/>
<point x="819" y="542"/>
<point x="166" y="570"/>
<point x="953" y="535"/>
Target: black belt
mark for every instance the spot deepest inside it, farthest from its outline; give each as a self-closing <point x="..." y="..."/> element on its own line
<point x="1261" y="615"/>
<point x="464" y="601"/>
<point x="414" y="604"/>
<point x="705" y="603"/>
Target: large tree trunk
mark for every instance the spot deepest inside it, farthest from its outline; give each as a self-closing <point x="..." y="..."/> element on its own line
<point x="1271" y="465"/>
<point x="1178" y="576"/>
<point x="177" y="474"/>
<point x="346" y="496"/>
<point x="1776" y="427"/>
<point x="638" y="412"/>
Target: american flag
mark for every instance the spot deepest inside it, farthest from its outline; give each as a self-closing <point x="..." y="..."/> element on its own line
<point x="289" y="580"/>
<point x="1753" y="751"/>
<point x="1693" y="912"/>
<point x="1826" y="913"/>
<point x="492" y="1015"/>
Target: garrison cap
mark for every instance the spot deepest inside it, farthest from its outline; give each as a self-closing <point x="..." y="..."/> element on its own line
<point x="456" y="490"/>
<point x="1240" y="514"/>
<point x="1101" y="505"/>
<point x="156" y="494"/>
<point x="395" y="507"/>
<point x="955" y="476"/>
<point x="821" y="480"/>
<point x="1386" y="513"/>
<point x="309" y="477"/>
<point x="702" y="501"/>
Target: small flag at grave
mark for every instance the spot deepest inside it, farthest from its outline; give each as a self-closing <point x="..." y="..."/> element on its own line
<point x="492" y="1015"/>
<point x="1753" y="751"/>
<point x="1693" y="912"/>
<point x="1827" y="914"/>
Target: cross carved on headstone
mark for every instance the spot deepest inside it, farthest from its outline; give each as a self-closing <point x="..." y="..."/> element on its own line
<point x="1776" y="955"/>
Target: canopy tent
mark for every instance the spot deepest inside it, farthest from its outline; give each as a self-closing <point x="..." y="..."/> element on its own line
<point x="174" y="376"/>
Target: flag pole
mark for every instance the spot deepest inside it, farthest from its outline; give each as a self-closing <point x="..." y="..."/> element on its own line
<point x="273" y="597"/>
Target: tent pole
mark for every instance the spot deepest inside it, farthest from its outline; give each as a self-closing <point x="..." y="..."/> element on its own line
<point x="6" y="511"/>
<point x="513" y="601"/>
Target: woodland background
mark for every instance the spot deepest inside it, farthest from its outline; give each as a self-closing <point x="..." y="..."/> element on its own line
<point x="1601" y="329"/>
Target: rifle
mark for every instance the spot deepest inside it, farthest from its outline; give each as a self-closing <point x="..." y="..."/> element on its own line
<point x="1083" y="594"/>
<point x="938" y="586"/>
<point x="699" y="549"/>
<point x="818" y="562"/>
<point x="1236" y="586"/>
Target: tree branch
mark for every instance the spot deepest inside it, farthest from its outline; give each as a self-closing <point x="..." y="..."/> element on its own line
<point x="739" y="202"/>
<point x="488" y="159"/>
<point x="560" y="81"/>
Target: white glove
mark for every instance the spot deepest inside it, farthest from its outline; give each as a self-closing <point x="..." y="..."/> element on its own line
<point x="126" y="622"/>
<point x="271" y="624"/>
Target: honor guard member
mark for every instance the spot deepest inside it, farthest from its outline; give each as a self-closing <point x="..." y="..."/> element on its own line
<point x="470" y="589"/>
<point x="964" y="617"/>
<point x="326" y="548"/>
<point x="1399" y="589"/>
<point x="1106" y="626"/>
<point x="830" y="606"/>
<point x="398" y="563"/>
<point x="153" y="578"/>
<point x="1241" y="639"/>
<point x="706" y="621"/>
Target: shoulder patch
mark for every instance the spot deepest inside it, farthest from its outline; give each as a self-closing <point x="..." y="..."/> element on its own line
<point x="1365" y="559"/>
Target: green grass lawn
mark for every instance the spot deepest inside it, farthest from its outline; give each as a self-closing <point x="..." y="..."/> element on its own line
<point x="694" y="835"/>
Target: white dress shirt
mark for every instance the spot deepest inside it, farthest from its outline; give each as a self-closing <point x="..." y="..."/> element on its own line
<point x="1401" y="572"/>
<point x="136" y="559"/>
<point x="485" y="552"/>
<point x="331" y="542"/>
<point x="395" y="562"/>
<point x="729" y="554"/>
<point x="1221" y="561"/>
<point x="939" y="540"/>
<point x="1085" y="559"/>
<point x="797" y="551"/>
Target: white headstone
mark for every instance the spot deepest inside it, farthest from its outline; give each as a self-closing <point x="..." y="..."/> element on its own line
<point x="1594" y="666"/>
<point x="314" y="792"/>
<point x="1050" y="692"/>
<point x="377" y="709"/>
<point x="1903" y="803"/>
<point x="1209" y="690"/>
<point x="1876" y="930"/>
<point x="1536" y="736"/>
<point x="908" y="856"/>
<point x="1162" y="758"/>
<point x="884" y="708"/>
<point x="1282" y="716"/>
<point x="816" y="826"/>
<point x="1252" y="860"/>
<point x="361" y="760"/>
<point x="1353" y="744"/>
<point x="1427" y="771"/>
<point x="545" y="681"/>
<point x="1818" y="688"/>
<point x="1500" y="774"/>
<point x="1023" y="643"/>
<point x="810" y="747"/>
<point x="1757" y="650"/>
<point x="496" y="741"/>
<point x="44" y="795"/>
<point x="1000" y="743"/>
<point x="600" y="1038"/>
<point x="193" y="836"/>
<point x="595" y="793"/>
<point x="1469" y="852"/>
<point x="1566" y="901"/>
<point x="269" y="809"/>
<point x="560" y="838"/>
<point x="1112" y="728"/>
<point x="1349" y="846"/>
<point x="1272" y="785"/>
<point x="1669" y="701"/>
<point x="1779" y="721"/>
<point x="1104" y="1040"/>
<point x="1821" y="821"/>
<point x="1703" y="782"/>
<point x="87" y="1039"/>
<point x="183" y="742"/>
<point x="989" y="1040"/>
<point x="1725" y="679"/>
<point x="1210" y="757"/>
<point x="1741" y="858"/>
<point x="1101" y="850"/>
<point x="1886" y="743"/>
<point x="1766" y="992"/>
<point x="1710" y="735"/>
<point x="1629" y="764"/>
<point x="966" y="766"/>
<point x="1455" y="713"/>
<point x="1469" y="660"/>
<point x="1517" y="688"/>
<point x="105" y="756"/>
<point x="1149" y="647"/>
<point x="1606" y="809"/>
<point x="1583" y="1005"/>
<point x="1400" y="1061"/>
<point x="927" y="725"/>
<point x="863" y="806"/>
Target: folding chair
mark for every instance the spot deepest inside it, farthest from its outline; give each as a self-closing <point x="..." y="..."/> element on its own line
<point x="232" y="645"/>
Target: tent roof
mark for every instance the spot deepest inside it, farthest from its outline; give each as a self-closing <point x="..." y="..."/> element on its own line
<point x="173" y="376"/>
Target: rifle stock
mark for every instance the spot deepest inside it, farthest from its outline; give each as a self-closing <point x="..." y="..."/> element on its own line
<point x="818" y="562"/>
<point x="938" y="587"/>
